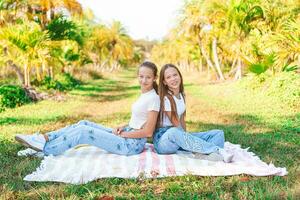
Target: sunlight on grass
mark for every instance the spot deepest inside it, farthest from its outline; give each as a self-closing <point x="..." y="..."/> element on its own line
<point x="247" y="119"/>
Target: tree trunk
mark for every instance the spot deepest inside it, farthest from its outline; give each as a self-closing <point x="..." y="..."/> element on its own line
<point x="26" y="75"/>
<point x="201" y="65"/>
<point x="20" y="75"/>
<point x="44" y="69"/>
<point x="38" y="75"/>
<point x="238" y="74"/>
<point x="216" y="59"/>
<point x="50" y="72"/>
<point x="233" y="64"/>
<point x="205" y="55"/>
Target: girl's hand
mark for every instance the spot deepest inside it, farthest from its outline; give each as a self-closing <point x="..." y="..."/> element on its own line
<point x="118" y="130"/>
<point x="124" y="134"/>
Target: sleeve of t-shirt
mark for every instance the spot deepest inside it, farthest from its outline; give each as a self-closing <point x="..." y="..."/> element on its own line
<point x="167" y="104"/>
<point x="154" y="104"/>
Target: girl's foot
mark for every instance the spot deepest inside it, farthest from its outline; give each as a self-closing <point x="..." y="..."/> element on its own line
<point x="211" y="157"/>
<point x="30" y="152"/>
<point x="35" y="141"/>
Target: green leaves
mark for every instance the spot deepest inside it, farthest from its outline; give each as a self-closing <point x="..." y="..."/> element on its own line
<point x="60" y="28"/>
<point x="12" y="96"/>
<point x="266" y="63"/>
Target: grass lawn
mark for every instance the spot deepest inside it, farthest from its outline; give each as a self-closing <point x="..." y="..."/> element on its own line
<point x="265" y="124"/>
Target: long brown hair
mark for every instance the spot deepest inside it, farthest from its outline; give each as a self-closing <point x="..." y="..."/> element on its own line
<point x="164" y="91"/>
<point x="153" y="67"/>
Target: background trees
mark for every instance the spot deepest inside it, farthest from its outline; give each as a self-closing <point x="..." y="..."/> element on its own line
<point x="234" y="37"/>
<point x="40" y="38"/>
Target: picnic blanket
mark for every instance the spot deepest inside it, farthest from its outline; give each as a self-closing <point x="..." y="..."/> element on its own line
<point x="88" y="163"/>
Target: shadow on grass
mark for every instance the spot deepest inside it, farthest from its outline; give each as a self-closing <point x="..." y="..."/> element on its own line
<point x="38" y="121"/>
<point x="265" y="144"/>
<point x="97" y="90"/>
<point x="106" y="97"/>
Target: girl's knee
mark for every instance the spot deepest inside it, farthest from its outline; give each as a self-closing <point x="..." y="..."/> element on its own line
<point x="83" y="122"/>
<point x="220" y="133"/>
<point x="174" y="134"/>
<point x="174" y="131"/>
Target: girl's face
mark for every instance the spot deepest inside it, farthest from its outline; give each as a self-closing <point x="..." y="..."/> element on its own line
<point x="146" y="78"/>
<point x="172" y="79"/>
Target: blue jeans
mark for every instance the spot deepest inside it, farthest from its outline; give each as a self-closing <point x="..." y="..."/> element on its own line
<point x="86" y="132"/>
<point x="169" y="140"/>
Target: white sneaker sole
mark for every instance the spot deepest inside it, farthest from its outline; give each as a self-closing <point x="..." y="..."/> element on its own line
<point x="228" y="159"/>
<point x="26" y="144"/>
<point x="210" y="157"/>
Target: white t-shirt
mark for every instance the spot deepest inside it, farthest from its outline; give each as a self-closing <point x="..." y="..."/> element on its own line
<point x="148" y="101"/>
<point x="180" y="105"/>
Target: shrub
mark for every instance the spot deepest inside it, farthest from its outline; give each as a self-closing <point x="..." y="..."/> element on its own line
<point x="50" y="83"/>
<point x="68" y="81"/>
<point x="62" y="82"/>
<point x="284" y="86"/>
<point x="12" y="96"/>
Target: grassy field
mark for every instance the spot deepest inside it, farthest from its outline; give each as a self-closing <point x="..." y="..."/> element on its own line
<point x="265" y="124"/>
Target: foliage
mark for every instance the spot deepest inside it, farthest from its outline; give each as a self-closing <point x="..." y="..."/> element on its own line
<point x="61" y="28"/>
<point x="38" y="40"/>
<point x="247" y="34"/>
<point x="68" y="81"/>
<point x="12" y="96"/>
<point x="285" y="86"/>
<point x="62" y="82"/>
<point x="267" y="62"/>
<point x="50" y="83"/>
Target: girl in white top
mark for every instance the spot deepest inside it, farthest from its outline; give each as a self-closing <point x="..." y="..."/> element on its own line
<point x="124" y="140"/>
<point x="172" y="135"/>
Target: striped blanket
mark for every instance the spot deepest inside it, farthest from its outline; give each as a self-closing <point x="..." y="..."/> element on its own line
<point x="81" y="165"/>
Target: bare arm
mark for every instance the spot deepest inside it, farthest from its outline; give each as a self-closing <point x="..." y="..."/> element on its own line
<point x="146" y="131"/>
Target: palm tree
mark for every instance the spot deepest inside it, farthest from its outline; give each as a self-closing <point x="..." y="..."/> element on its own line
<point x="110" y="45"/>
<point x="237" y="18"/>
<point x="25" y="50"/>
<point x="194" y="23"/>
<point x="45" y="9"/>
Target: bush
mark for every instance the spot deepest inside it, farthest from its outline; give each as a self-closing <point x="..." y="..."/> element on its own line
<point x="284" y="86"/>
<point x="12" y="96"/>
<point x="50" y="83"/>
<point x="68" y="81"/>
<point x="62" y="82"/>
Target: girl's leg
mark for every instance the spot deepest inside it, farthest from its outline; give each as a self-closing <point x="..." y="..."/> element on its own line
<point x="89" y="135"/>
<point x="94" y="125"/>
<point x="189" y="142"/>
<point x="215" y="137"/>
<point x="162" y="144"/>
<point x="166" y="146"/>
<point x="63" y="131"/>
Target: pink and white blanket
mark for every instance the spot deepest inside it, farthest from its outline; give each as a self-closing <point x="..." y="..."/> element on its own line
<point x="88" y="163"/>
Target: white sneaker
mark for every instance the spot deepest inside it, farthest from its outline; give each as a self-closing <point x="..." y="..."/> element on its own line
<point x="35" y="141"/>
<point x="227" y="157"/>
<point x="30" y="152"/>
<point x="211" y="157"/>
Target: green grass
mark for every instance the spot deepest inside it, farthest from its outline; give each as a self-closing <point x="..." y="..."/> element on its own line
<point x="268" y="126"/>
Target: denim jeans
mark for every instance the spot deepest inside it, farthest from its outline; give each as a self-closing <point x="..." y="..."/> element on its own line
<point x="168" y="140"/>
<point x="86" y="132"/>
